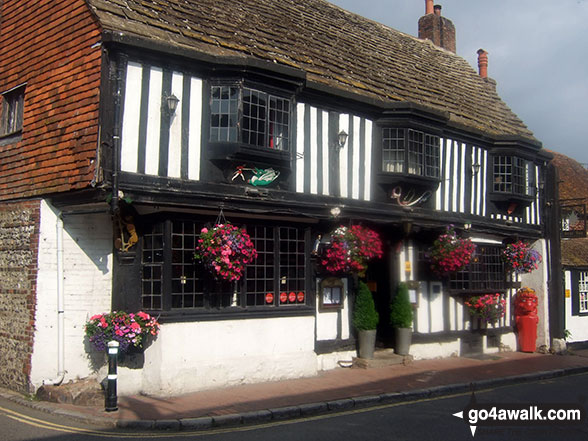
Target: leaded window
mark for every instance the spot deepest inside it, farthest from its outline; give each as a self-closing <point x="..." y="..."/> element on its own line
<point x="253" y="117"/>
<point x="410" y="152"/>
<point x="485" y="273"/>
<point x="583" y="292"/>
<point x="11" y="111"/>
<point x="513" y="175"/>
<point x="173" y="280"/>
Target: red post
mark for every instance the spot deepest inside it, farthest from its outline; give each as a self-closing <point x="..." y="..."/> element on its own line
<point x="526" y="319"/>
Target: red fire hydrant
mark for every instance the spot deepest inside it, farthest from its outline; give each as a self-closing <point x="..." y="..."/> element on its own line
<point x="526" y="319"/>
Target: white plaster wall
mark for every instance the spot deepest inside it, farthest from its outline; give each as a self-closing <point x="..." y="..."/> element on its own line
<point x="577" y="325"/>
<point x="426" y="351"/>
<point x="331" y="361"/>
<point x="188" y="357"/>
<point x="538" y="281"/>
<point x="87" y="242"/>
<point x="435" y="350"/>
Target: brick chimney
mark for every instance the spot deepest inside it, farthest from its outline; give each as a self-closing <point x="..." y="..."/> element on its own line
<point x="483" y="63"/>
<point x="438" y="29"/>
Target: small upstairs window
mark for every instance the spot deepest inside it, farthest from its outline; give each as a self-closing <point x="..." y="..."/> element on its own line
<point x="411" y="152"/>
<point x="243" y="115"/>
<point x="513" y="176"/>
<point x="11" y="111"/>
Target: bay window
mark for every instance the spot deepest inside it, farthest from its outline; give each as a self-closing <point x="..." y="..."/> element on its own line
<point x="410" y="152"/>
<point x="240" y="114"/>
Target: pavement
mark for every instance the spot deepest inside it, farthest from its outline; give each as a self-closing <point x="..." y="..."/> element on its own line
<point x="335" y="390"/>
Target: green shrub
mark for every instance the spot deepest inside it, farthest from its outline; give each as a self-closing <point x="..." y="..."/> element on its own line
<point x="365" y="316"/>
<point x="401" y="309"/>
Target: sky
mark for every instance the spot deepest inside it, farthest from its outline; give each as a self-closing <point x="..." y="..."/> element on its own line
<point x="537" y="53"/>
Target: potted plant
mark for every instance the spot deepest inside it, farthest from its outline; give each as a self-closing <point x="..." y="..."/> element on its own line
<point x="351" y="249"/>
<point x="401" y="316"/>
<point x="365" y="320"/>
<point x="225" y="250"/>
<point x="130" y="330"/>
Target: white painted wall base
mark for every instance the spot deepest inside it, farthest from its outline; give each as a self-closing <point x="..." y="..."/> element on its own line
<point x="330" y="361"/>
<point x="87" y="284"/>
<point x="188" y="357"/>
<point x="426" y="351"/>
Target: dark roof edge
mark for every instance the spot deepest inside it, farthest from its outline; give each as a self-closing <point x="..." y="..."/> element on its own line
<point x="116" y="37"/>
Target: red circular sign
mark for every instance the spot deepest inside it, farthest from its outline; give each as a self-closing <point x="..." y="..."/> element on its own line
<point x="283" y="297"/>
<point x="269" y="298"/>
<point x="292" y="297"/>
<point x="300" y="297"/>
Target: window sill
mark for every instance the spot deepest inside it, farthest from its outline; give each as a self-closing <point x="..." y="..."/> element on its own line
<point x="11" y="138"/>
<point x="258" y="156"/>
<point x="390" y="179"/>
<point x="236" y="313"/>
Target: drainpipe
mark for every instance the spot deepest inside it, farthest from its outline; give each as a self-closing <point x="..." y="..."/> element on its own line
<point x="116" y="132"/>
<point x="60" y="309"/>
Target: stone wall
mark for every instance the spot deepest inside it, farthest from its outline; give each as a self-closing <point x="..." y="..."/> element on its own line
<point x="19" y="243"/>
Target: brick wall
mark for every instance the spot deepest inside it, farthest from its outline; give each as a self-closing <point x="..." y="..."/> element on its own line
<point x="439" y="30"/>
<point x="19" y="244"/>
<point x="47" y="44"/>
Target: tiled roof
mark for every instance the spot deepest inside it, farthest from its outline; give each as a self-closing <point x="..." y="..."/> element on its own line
<point x="334" y="47"/>
<point x="574" y="252"/>
<point x="573" y="177"/>
<point x="48" y="46"/>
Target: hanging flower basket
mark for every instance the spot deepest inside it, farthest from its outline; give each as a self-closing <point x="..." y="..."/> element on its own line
<point x="450" y="253"/>
<point x="129" y="330"/>
<point x="225" y="250"/>
<point x="351" y="249"/>
<point x="520" y="258"/>
<point x="488" y="307"/>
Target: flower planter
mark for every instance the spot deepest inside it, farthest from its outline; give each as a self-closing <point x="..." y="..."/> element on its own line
<point x="225" y="250"/>
<point x="402" y="340"/>
<point x="450" y="253"/>
<point x="367" y="343"/>
<point x="351" y="249"/>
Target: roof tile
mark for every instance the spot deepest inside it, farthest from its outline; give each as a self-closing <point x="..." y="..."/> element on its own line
<point x="333" y="46"/>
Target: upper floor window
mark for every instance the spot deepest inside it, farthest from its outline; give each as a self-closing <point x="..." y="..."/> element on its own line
<point x="513" y="175"/>
<point x="241" y="114"/>
<point x="11" y="111"/>
<point x="410" y="152"/>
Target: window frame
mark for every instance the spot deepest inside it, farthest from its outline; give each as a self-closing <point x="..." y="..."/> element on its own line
<point x="487" y="261"/>
<point x="579" y="276"/>
<point x="12" y="111"/>
<point x="417" y="152"/>
<point x="219" y="308"/>
<point x="512" y="178"/>
<point x="244" y="134"/>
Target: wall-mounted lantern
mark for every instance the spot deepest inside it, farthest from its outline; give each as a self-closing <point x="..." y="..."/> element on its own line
<point x="172" y="104"/>
<point x="342" y="139"/>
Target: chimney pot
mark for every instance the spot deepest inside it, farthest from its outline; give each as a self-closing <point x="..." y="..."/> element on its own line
<point x="483" y="63"/>
<point x="429" y="6"/>
<point x="437" y="9"/>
